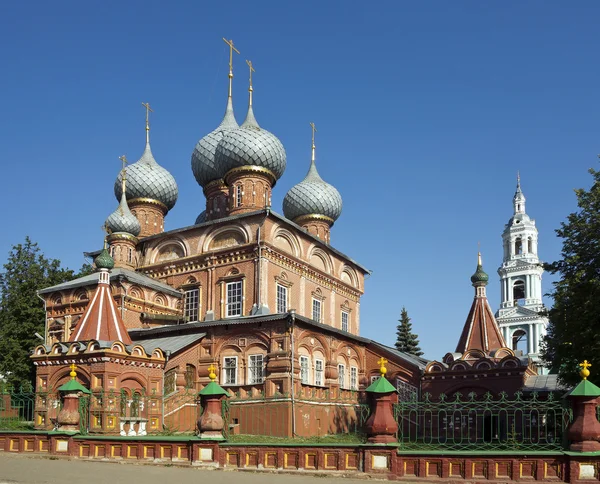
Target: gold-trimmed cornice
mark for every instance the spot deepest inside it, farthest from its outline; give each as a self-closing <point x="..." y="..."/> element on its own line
<point x="215" y="184"/>
<point x="147" y="201"/>
<point x="121" y="236"/>
<point x="251" y="169"/>
<point x="313" y="217"/>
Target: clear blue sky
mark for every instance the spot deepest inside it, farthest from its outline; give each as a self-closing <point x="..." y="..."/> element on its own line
<point x="425" y="111"/>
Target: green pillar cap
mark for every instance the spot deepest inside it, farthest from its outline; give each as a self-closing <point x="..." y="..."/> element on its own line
<point x="213" y="388"/>
<point x="73" y="386"/>
<point x="381" y="385"/>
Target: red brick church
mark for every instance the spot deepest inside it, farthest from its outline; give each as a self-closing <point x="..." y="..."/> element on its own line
<point x="263" y="296"/>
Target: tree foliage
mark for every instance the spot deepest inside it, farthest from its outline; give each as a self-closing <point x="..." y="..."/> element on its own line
<point x="406" y="340"/>
<point x="573" y="332"/>
<point x="21" y="310"/>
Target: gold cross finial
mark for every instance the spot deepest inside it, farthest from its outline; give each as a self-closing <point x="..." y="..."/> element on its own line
<point x="382" y="369"/>
<point x="251" y="71"/>
<point x="211" y="372"/>
<point x="584" y="373"/>
<point x="314" y="130"/>
<point x="73" y="374"/>
<point x="123" y="159"/>
<point x="148" y="111"/>
<point x="231" y="50"/>
<point x="478" y="253"/>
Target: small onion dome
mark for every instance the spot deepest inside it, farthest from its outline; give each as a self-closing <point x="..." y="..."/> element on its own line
<point x="312" y="196"/>
<point x="147" y="179"/>
<point x="250" y="145"/>
<point x="122" y="220"/>
<point x="201" y="218"/>
<point x="104" y="260"/>
<point x="204" y="166"/>
<point x="480" y="277"/>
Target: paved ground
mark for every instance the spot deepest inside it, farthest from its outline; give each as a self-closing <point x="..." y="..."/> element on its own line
<point x="19" y="468"/>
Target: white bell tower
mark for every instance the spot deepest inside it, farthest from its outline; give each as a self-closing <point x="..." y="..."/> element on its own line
<point x="521" y="315"/>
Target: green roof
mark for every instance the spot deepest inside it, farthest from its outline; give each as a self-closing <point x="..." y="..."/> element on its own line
<point x="381" y="385"/>
<point x="213" y="388"/>
<point x="585" y="389"/>
<point x="73" y="386"/>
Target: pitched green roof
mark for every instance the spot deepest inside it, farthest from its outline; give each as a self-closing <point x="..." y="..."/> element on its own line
<point x="585" y="389"/>
<point x="213" y="388"/>
<point x="73" y="386"/>
<point x="381" y="385"/>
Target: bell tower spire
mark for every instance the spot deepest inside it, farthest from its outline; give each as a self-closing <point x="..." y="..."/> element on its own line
<point x="521" y="314"/>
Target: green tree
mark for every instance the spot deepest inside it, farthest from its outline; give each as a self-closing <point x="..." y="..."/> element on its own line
<point x="406" y="340"/>
<point x="21" y="310"/>
<point x="573" y="332"/>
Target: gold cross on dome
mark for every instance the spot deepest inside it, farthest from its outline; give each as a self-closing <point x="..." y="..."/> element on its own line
<point x="73" y="374"/>
<point x="123" y="159"/>
<point x="382" y="369"/>
<point x="314" y="130"/>
<point x="148" y="111"/>
<point x="231" y="49"/>
<point x="251" y="71"/>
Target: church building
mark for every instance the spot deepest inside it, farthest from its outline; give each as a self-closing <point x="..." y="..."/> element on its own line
<point x="264" y="297"/>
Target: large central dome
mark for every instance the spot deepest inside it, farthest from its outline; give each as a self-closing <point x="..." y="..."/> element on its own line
<point x="250" y="146"/>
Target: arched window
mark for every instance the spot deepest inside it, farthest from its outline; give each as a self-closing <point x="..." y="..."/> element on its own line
<point x="190" y="376"/>
<point x="518" y="290"/>
<point x="518" y="246"/>
<point x="519" y="341"/>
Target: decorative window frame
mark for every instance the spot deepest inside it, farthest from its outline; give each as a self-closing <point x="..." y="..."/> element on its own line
<point x="223" y="282"/>
<point x="353" y="378"/>
<point x="225" y="368"/>
<point x="261" y="377"/>
<point x="304" y="369"/>
<point x="342" y="375"/>
<point x="319" y="373"/>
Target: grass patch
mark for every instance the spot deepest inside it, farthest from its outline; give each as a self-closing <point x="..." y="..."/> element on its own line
<point x="316" y="439"/>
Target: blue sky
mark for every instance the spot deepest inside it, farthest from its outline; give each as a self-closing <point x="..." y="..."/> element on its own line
<point x="425" y="111"/>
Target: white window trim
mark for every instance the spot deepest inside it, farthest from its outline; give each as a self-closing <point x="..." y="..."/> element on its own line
<point x="250" y="366"/>
<point x="279" y="286"/>
<point x="227" y="303"/>
<point x="224" y="372"/>
<point x="185" y="304"/>
<point x="353" y="375"/>
<point x="307" y="368"/>
<point x="342" y="379"/>
<point x="347" y="313"/>
<point x="312" y="307"/>
<point x="322" y="372"/>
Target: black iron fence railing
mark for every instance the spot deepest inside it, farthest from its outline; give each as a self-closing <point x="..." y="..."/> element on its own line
<point x="484" y="423"/>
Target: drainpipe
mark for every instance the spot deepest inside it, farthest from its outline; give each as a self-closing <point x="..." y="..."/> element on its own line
<point x="45" y="318"/>
<point x="259" y="265"/>
<point x="292" y="320"/>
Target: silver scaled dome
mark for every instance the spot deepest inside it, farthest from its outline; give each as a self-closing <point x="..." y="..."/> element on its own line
<point x="122" y="220"/>
<point x="147" y="179"/>
<point x="204" y="166"/>
<point x="312" y="196"/>
<point x="250" y="145"/>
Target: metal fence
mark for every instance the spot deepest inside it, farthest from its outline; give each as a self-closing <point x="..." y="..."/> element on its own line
<point x="483" y="423"/>
<point x="17" y="407"/>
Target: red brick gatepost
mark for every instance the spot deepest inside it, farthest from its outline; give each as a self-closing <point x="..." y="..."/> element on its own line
<point x="211" y="422"/>
<point x="381" y="426"/>
<point x="584" y="432"/>
<point x="69" y="418"/>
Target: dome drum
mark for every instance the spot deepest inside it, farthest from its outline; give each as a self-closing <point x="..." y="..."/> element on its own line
<point x="248" y="191"/>
<point x="217" y="200"/>
<point x="151" y="215"/>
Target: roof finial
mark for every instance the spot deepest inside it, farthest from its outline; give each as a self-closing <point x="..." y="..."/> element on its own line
<point x="73" y="373"/>
<point x="231" y="49"/>
<point x="382" y="369"/>
<point x="314" y="130"/>
<point x="479" y="264"/>
<point x="123" y="159"/>
<point x="518" y="180"/>
<point x="584" y="373"/>
<point x="250" y="88"/>
<point x="148" y="111"/>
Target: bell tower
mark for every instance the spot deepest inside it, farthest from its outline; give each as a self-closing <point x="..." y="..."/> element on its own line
<point x="521" y="315"/>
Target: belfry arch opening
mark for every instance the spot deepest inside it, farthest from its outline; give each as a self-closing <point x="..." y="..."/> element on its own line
<point x="518" y="291"/>
<point x="530" y="245"/>
<point x="519" y="341"/>
<point x="518" y="246"/>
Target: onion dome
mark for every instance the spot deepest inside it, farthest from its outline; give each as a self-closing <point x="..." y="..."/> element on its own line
<point x="312" y="196"/>
<point x="480" y="278"/>
<point x="104" y="260"/>
<point x="147" y="179"/>
<point x="250" y="146"/>
<point x="201" y="218"/>
<point x="203" y="158"/>
<point x="122" y="220"/>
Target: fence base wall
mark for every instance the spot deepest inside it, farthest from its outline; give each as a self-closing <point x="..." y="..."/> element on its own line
<point x="381" y="460"/>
